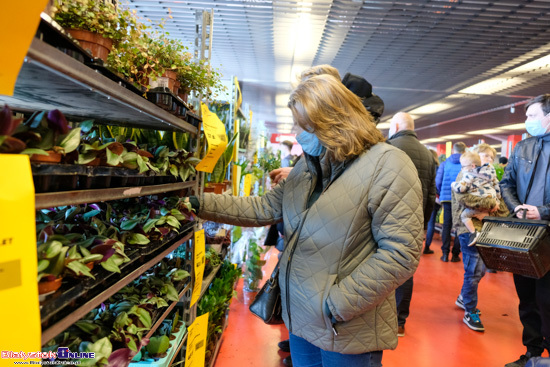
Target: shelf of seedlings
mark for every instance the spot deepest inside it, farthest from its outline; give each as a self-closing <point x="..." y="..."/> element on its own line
<point x="53" y="199"/>
<point x="51" y="79"/>
<point x="167" y="311"/>
<point x="57" y="315"/>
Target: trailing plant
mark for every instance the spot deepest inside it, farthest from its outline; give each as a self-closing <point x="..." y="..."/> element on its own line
<point x="97" y="16"/>
<point x="253" y="273"/>
<point x="46" y="130"/>
<point x="51" y="260"/>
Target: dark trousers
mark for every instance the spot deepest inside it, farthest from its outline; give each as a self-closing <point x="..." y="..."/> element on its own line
<point x="446" y="231"/>
<point x="534" y="312"/>
<point x="403" y="296"/>
<point x="431" y="225"/>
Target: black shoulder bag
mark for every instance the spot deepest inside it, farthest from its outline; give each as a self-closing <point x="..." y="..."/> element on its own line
<point x="267" y="304"/>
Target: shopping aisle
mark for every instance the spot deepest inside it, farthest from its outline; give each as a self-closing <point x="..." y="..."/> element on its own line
<point x="435" y="333"/>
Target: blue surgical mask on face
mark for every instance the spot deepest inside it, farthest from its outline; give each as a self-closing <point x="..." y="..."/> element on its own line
<point x="534" y="127"/>
<point x="310" y="143"/>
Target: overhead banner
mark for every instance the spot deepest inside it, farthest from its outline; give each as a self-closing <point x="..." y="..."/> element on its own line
<point x="216" y="137"/>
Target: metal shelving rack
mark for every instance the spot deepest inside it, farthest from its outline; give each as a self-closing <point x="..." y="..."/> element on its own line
<point x="50" y="79"/>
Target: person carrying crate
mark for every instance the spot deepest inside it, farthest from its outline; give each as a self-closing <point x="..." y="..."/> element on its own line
<point x="526" y="185"/>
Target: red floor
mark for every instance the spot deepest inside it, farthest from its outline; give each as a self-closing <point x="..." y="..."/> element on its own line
<point x="435" y="333"/>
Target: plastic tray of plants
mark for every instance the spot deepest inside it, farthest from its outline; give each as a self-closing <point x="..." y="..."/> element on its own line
<point x="116" y="329"/>
<point x="163" y="345"/>
<point x="167" y="100"/>
<point x="193" y="118"/>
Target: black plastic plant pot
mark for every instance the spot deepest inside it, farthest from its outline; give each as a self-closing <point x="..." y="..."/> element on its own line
<point x="55" y="177"/>
<point x="161" y="97"/>
<point x="119" y="181"/>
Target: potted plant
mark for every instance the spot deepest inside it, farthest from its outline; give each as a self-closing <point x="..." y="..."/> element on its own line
<point x="96" y="24"/>
<point x="51" y="262"/>
<point x="217" y="177"/>
<point x="253" y="271"/>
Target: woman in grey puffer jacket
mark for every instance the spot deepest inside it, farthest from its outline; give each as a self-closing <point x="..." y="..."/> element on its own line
<point x="352" y="211"/>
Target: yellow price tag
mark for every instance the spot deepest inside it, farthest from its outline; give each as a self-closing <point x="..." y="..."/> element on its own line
<point x="247" y="184"/>
<point x="199" y="265"/>
<point x="18" y="264"/>
<point x="18" y="23"/>
<point x="216" y="136"/>
<point x="196" y="342"/>
<point x="236" y="179"/>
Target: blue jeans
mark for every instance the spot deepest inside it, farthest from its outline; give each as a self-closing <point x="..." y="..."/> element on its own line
<point x="474" y="270"/>
<point x="305" y="354"/>
<point x="431" y="225"/>
<point x="446" y="230"/>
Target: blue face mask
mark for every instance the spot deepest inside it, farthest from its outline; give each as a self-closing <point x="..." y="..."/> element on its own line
<point x="534" y="127"/>
<point x="310" y="144"/>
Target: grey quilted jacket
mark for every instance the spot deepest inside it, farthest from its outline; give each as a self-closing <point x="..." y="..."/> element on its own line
<point x="347" y="252"/>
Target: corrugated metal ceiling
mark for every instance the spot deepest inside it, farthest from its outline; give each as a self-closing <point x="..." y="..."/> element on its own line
<point x="413" y="52"/>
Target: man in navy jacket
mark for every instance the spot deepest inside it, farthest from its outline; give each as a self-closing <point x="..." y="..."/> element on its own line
<point x="446" y="174"/>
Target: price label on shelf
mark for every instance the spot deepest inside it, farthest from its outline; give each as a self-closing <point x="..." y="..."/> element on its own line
<point x="216" y="136"/>
<point x="19" y="312"/>
<point x="198" y="265"/>
<point x="196" y="342"/>
<point x="18" y="23"/>
<point x="247" y="184"/>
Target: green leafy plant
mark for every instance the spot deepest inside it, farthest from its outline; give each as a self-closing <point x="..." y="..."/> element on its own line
<point x="158" y="345"/>
<point x="51" y="259"/>
<point x="253" y="273"/>
<point x="97" y="16"/>
<point x="220" y="169"/>
<point x="77" y="259"/>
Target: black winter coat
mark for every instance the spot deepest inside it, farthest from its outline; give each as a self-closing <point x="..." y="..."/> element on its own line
<point x="519" y="174"/>
<point x="407" y="141"/>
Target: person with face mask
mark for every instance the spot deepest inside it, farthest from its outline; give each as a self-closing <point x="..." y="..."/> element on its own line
<point x="352" y="210"/>
<point x="526" y="185"/>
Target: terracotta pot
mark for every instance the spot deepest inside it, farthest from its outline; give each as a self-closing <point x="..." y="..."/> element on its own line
<point x="177" y="86"/>
<point x="219" y="188"/>
<point x="94" y="43"/>
<point x="209" y="189"/>
<point x="183" y="96"/>
<point x="52" y="157"/>
<point x="228" y="184"/>
<point x="49" y="287"/>
<point x="94" y="162"/>
<point x="171" y="75"/>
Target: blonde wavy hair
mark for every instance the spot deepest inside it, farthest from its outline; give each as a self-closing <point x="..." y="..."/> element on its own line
<point x="486" y="148"/>
<point x="324" y="106"/>
<point x="319" y="70"/>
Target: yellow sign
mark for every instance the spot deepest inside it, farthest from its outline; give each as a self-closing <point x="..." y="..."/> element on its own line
<point x="196" y="342"/>
<point x="236" y="175"/>
<point x="448" y="149"/>
<point x="199" y="265"/>
<point x="216" y="136"/>
<point x="18" y="23"/>
<point x="247" y="184"/>
<point x="18" y="264"/>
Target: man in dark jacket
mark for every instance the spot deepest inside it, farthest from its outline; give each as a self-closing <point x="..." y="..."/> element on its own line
<point x="526" y="185"/>
<point x="402" y="136"/>
<point x="446" y="174"/>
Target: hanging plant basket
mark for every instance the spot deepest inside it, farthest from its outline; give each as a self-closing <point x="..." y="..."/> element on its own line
<point x="96" y="44"/>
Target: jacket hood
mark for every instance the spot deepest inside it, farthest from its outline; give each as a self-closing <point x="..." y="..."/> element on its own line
<point x="455" y="158"/>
